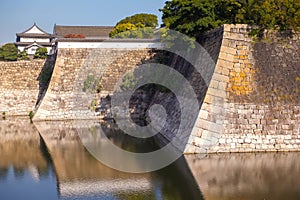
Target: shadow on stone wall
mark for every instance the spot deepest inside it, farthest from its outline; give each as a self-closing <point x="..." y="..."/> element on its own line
<point x="45" y="77"/>
<point x="278" y="75"/>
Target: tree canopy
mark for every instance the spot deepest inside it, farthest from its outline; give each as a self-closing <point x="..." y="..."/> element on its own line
<point x="193" y="17"/>
<point x="9" y="52"/>
<point x="136" y="26"/>
<point x="147" y="20"/>
<point x="41" y="53"/>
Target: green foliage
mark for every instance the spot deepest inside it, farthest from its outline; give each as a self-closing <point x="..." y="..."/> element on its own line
<point x="170" y="38"/>
<point x="282" y="15"/>
<point x="3" y="115"/>
<point x="41" y="53"/>
<point x="91" y="84"/>
<point x="93" y="105"/>
<point x="122" y="28"/>
<point x="23" y="55"/>
<point x="31" y="114"/>
<point x="138" y="33"/>
<point x="9" y="52"/>
<point x="146" y="20"/>
<point x="128" y="82"/>
<point x="190" y="17"/>
<point x="136" y="26"/>
<point x="193" y="17"/>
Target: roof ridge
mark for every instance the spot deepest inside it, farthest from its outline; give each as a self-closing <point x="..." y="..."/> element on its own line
<point x="79" y="26"/>
<point x="34" y="25"/>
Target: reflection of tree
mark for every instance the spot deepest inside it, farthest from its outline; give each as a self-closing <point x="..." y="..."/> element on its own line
<point x="18" y="172"/>
<point x="176" y="174"/>
<point x="3" y="173"/>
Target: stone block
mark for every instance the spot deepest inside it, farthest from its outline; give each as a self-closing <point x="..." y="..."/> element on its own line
<point x="216" y="92"/>
<point x="220" y="78"/>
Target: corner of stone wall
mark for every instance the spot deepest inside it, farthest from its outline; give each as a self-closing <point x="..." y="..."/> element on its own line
<point x="234" y="117"/>
<point x="235" y="51"/>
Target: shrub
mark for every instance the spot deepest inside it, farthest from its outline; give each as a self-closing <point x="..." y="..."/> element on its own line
<point x="91" y="84"/>
<point x="93" y="105"/>
<point x="9" y="52"/>
<point x="31" y="114"/>
<point x="128" y="82"/>
<point x="23" y="55"/>
<point x="41" y="53"/>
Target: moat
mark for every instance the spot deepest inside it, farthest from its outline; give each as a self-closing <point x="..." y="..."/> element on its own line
<point x="61" y="168"/>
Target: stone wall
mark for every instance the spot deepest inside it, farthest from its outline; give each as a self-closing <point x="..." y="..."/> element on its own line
<point x="21" y="83"/>
<point x="251" y="102"/>
<point x="74" y="69"/>
<point x="254" y="92"/>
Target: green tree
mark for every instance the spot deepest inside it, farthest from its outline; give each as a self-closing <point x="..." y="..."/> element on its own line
<point x="41" y="52"/>
<point x="193" y="17"/>
<point x="190" y="17"/>
<point x="9" y="52"/>
<point x="278" y="14"/>
<point x="136" y="26"/>
<point x="119" y="28"/>
<point x="146" y="20"/>
<point x="23" y="55"/>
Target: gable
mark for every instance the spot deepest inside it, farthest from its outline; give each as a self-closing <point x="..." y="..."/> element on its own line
<point x="33" y="45"/>
<point x="35" y="30"/>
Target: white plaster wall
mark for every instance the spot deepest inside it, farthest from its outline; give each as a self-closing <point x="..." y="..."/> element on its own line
<point x="32" y="50"/>
<point x="113" y="45"/>
<point x="21" y="48"/>
<point x="34" y="39"/>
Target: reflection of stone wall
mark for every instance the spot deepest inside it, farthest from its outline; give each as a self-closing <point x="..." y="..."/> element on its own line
<point x="77" y="171"/>
<point x="247" y="176"/>
<point x="20" y="86"/>
<point x="71" y="160"/>
<point x="20" y="145"/>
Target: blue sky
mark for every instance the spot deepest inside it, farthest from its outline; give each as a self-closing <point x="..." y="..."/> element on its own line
<point x="18" y="15"/>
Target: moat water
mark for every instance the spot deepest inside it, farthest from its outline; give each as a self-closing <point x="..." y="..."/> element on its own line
<point x="59" y="167"/>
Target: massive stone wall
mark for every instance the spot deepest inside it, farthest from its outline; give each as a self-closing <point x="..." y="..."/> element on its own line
<point x="254" y="91"/>
<point x="21" y="83"/>
<point x="65" y="97"/>
<point x="250" y="104"/>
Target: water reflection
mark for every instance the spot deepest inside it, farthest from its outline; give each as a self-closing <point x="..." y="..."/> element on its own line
<point x="25" y="169"/>
<point x="57" y="166"/>
<point x="247" y="176"/>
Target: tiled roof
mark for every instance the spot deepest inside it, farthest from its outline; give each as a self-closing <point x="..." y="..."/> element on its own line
<point x="29" y="43"/>
<point x="92" y="32"/>
<point x="33" y="35"/>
